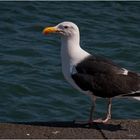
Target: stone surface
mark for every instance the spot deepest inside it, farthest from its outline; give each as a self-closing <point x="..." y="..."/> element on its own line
<point x="128" y="129"/>
<point x="121" y="129"/>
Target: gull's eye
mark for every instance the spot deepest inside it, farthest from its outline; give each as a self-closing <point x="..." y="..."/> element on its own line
<point x="65" y="27"/>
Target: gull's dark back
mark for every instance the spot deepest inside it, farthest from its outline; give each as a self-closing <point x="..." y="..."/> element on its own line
<point x="104" y="78"/>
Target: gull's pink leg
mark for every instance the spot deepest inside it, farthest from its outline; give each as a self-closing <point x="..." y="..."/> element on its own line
<point x="92" y="110"/>
<point x="108" y="116"/>
<point x="91" y="120"/>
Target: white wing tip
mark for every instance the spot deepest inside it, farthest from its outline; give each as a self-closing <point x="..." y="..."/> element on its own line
<point x="125" y="72"/>
<point x="136" y="98"/>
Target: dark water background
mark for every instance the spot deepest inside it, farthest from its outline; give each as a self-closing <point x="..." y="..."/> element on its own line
<point x="32" y="87"/>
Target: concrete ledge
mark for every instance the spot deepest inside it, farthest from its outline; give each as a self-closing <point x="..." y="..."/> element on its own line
<point x="119" y="129"/>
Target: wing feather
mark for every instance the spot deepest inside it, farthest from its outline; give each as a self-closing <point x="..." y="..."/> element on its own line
<point x="105" y="78"/>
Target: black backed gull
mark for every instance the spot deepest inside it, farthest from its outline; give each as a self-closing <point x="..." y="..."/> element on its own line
<point x="92" y="74"/>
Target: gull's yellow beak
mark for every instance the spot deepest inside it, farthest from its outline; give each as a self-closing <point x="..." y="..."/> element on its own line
<point x="48" y="30"/>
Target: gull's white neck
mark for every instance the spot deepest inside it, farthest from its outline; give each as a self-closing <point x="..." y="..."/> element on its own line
<point x="71" y="53"/>
<point x="69" y="47"/>
<point x="71" y="50"/>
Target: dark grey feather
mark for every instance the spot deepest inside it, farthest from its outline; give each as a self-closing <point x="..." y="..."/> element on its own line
<point x="104" y="78"/>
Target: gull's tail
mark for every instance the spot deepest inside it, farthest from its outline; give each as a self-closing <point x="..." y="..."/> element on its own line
<point x="135" y="95"/>
<point x="137" y="98"/>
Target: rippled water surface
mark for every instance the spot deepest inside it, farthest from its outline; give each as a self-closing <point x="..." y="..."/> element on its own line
<point x="32" y="87"/>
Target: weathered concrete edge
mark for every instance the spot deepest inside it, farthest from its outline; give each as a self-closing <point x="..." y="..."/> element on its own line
<point x="119" y="129"/>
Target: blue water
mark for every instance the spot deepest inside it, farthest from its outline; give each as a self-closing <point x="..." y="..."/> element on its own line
<point x="32" y="87"/>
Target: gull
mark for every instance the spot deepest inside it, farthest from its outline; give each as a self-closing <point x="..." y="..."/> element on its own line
<point x="91" y="74"/>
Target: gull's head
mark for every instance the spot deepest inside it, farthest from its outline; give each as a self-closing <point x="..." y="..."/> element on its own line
<point x="65" y="29"/>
